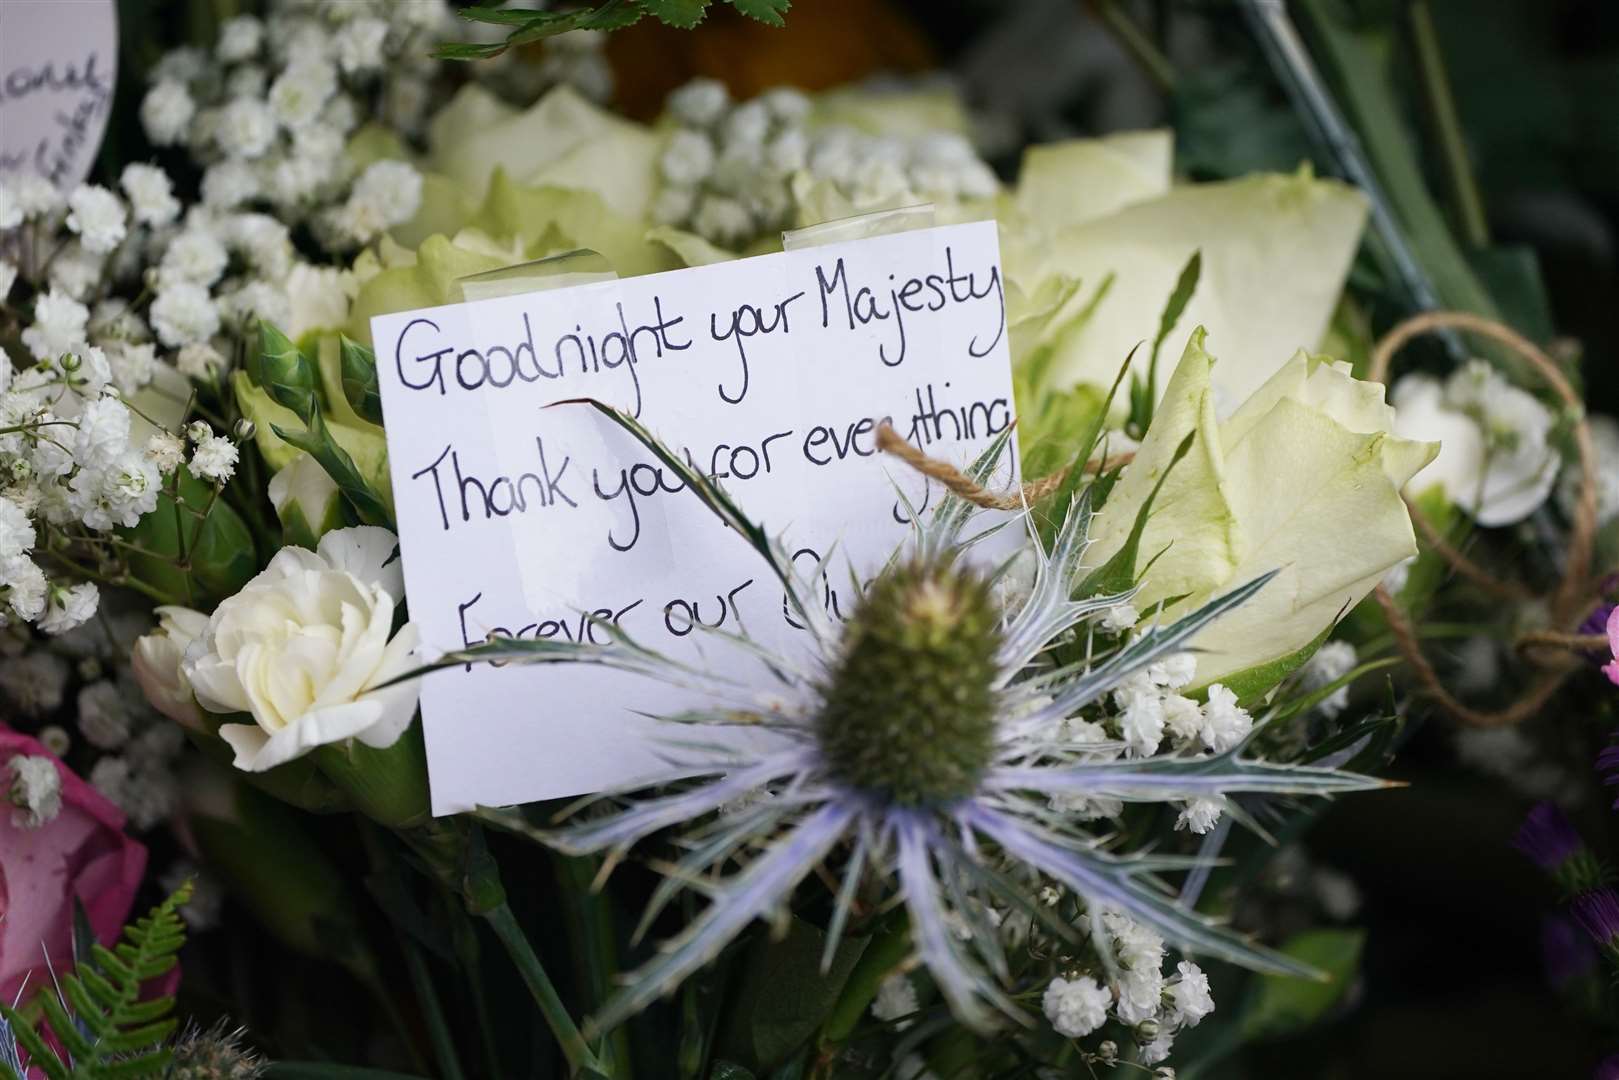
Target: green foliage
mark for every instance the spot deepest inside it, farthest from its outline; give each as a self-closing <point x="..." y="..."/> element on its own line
<point x="359" y="367"/>
<point x="290" y="379"/>
<point x="1120" y="573"/>
<point x="1281" y="1005"/>
<point x="109" y="1033"/>
<point x="530" y="26"/>
<point x="195" y="548"/>
<point x="783" y="996"/>
<point x="1144" y="394"/>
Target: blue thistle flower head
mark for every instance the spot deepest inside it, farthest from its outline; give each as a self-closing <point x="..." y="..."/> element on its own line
<point x="921" y="750"/>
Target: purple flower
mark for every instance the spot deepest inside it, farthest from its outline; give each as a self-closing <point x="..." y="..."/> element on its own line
<point x="1566" y="952"/>
<point x="1608" y="764"/>
<point x="1607" y="1069"/>
<point x="1547" y="837"/>
<point x="1597" y="622"/>
<point x="1598" y="912"/>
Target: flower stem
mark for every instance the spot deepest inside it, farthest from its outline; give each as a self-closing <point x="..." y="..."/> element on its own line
<point x="589" y="919"/>
<point x="574" y="1047"/>
<point x="1135" y="41"/>
<point x="438" y="1031"/>
<point x="1441" y="106"/>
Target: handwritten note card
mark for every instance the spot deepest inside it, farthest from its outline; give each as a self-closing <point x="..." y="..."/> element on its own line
<point x="58" y="66"/>
<point x="769" y="374"/>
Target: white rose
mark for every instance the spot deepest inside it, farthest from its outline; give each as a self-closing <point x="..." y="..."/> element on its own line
<point x="1304" y="478"/>
<point x="305" y="646"/>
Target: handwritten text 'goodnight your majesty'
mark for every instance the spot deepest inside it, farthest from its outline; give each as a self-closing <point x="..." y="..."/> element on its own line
<point x="425" y="361"/>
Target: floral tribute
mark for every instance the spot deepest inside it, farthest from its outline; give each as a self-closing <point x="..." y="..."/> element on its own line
<point x="1003" y="816"/>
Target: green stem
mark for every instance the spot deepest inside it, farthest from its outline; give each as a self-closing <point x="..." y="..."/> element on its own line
<point x="888" y="948"/>
<point x="590" y="923"/>
<point x="1136" y="42"/>
<point x="438" y="1031"/>
<point x="574" y="1047"/>
<point x="1441" y="104"/>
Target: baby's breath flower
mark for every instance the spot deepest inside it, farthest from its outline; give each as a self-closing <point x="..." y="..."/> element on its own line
<point x="67" y="607"/>
<point x="59" y="325"/>
<point x="895" y="1000"/>
<point x="184" y="313"/>
<point x="166" y="111"/>
<point x="1076" y="1007"/>
<point x="151" y="196"/>
<point x="35" y="790"/>
<point x="214" y="459"/>
<point x="165" y="451"/>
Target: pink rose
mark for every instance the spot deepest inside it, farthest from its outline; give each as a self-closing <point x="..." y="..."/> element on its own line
<point x="82" y="852"/>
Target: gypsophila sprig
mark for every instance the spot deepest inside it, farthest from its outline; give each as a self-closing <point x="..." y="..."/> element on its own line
<point x="919" y="747"/>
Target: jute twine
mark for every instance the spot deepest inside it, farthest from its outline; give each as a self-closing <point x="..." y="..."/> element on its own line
<point x="959" y="483"/>
<point x="1572" y="601"/>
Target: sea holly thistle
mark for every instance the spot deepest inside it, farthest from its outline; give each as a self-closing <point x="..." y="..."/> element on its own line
<point x="922" y="747"/>
<point x="528" y="25"/>
<point x="100" y="1018"/>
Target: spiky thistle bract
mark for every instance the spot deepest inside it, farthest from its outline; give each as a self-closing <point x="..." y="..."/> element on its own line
<point x="919" y="748"/>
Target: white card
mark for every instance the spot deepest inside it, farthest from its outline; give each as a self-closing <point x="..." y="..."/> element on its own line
<point x="58" y="67"/>
<point x="770" y="372"/>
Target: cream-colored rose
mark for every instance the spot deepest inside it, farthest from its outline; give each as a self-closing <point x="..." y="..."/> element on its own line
<point x="1304" y="478"/>
<point x="157" y="664"/>
<point x="304" y="649"/>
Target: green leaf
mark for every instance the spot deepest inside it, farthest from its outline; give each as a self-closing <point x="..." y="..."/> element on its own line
<point x="461" y="50"/>
<point x="1179" y="297"/>
<point x="783" y="996"/>
<point x="1280" y="1005"/>
<point x="683" y="14"/>
<point x="512" y="16"/>
<point x="359" y="367"/>
<point x="766" y="11"/>
<point x="1252" y="684"/>
<point x="219" y="552"/>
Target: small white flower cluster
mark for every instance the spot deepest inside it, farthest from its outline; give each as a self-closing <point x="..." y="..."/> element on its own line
<point x="71" y="459"/>
<point x="1151" y="716"/>
<point x="728" y="167"/>
<point x="1154" y="1007"/>
<point x="1605" y="443"/>
<point x="34" y="791"/>
<point x="896" y="1001"/>
<point x="270" y="111"/>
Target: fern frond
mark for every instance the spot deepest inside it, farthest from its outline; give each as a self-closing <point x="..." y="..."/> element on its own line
<point x="109" y="1033"/>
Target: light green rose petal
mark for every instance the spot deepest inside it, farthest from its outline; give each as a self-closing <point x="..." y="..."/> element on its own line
<point x="1079" y="180"/>
<point x="1275" y="252"/>
<point x="1191" y="524"/>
